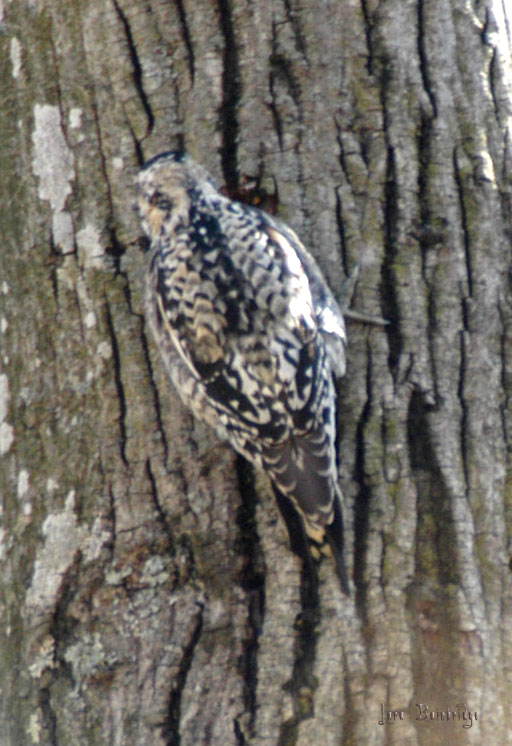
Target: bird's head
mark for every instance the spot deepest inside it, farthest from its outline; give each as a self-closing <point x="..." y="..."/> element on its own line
<point x="166" y="186"/>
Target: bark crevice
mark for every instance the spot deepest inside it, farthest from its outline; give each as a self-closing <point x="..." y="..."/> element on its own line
<point x="118" y="383"/>
<point x="231" y="93"/>
<point x="171" y="729"/>
<point x="138" y="75"/>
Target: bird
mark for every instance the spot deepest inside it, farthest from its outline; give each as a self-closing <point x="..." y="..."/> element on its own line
<point x="250" y="334"/>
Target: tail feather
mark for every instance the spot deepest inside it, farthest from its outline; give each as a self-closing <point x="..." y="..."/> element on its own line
<point x="302" y="471"/>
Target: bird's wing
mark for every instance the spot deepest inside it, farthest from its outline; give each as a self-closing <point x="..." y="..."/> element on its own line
<point x="240" y="313"/>
<point x="329" y="318"/>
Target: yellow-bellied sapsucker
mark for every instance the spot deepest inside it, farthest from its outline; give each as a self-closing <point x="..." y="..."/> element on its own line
<point x="250" y="334"/>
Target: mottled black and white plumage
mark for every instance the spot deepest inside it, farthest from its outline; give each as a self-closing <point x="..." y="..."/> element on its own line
<point x="250" y="334"/>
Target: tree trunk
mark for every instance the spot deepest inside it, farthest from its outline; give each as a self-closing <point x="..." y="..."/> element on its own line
<point x="148" y="593"/>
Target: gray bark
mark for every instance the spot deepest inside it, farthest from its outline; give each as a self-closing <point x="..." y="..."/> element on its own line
<point x="147" y="594"/>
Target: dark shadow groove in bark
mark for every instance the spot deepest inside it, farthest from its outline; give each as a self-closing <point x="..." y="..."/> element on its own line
<point x="423" y="57"/>
<point x="61" y="630"/>
<point x="306" y="626"/>
<point x="493" y="85"/>
<point x="282" y="68"/>
<point x="48" y="716"/>
<point x="362" y="501"/>
<point x="253" y="582"/>
<point x="429" y="236"/>
<point x="187" y="39"/>
<point x="171" y="729"/>
<point x="418" y="438"/>
<point x="505" y="314"/>
<point x="239" y="734"/>
<point x="464" y="341"/>
<point x="137" y="69"/>
<point x="161" y="515"/>
<point x="54" y="262"/>
<point x="303" y="682"/>
<point x="341" y="232"/>
<point x="231" y="92"/>
<point x="466" y="233"/>
<point x="294" y="20"/>
<point x="139" y="153"/>
<point x="390" y="304"/>
<point x="116" y="248"/>
<point x="118" y="383"/>
<point x="368" y="25"/>
<point x="342" y="158"/>
<point x="56" y="78"/>
<point x="155" y="392"/>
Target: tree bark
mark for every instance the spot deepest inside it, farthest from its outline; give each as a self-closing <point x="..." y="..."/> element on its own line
<point x="148" y="594"/>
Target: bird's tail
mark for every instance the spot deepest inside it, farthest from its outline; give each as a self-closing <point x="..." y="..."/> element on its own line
<point x="302" y="471"/>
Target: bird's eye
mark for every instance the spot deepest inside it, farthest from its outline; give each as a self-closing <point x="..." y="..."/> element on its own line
<point x="162" y="201"/>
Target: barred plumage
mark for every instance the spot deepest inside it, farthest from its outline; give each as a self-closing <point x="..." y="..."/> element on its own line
<point x="250" y="334"/>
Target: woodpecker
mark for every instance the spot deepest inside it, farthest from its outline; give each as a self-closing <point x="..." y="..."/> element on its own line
<point x="250" y="334"/>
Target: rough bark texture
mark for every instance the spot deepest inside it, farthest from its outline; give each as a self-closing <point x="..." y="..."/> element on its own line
<point x="147" y="592"/>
